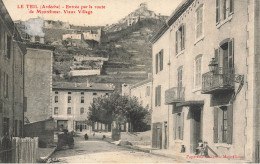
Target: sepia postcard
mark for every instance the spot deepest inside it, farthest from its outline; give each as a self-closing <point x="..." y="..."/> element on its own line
<point x="129" y="81"/>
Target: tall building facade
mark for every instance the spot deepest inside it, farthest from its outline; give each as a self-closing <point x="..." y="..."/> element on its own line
<point x="71" y="102"/>
<point x="206" y="78"/>
<point x="38" y="82"/>
<point x="11" y="77"/>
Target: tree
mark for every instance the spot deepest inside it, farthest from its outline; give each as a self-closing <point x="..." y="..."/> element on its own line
<point x="121" y="109"/>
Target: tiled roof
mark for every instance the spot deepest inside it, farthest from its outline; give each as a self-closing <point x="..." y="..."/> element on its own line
<point x="141" y="83"/>
<point x="82" y="86"/>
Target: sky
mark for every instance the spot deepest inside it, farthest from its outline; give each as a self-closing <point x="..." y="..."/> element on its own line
<point x="114" y="10"/>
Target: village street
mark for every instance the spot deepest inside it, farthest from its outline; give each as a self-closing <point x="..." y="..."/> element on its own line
<point x="96" y="151"/>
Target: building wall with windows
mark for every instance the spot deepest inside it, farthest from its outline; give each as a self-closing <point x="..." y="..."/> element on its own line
<point x="38" y="82"/>
<point x="143" y="91"/>
<point x="11" y="77"/>
<point x="71" y="102"/>
<point x="201" y="105"/>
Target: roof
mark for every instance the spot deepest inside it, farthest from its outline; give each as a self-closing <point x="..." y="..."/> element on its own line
<point x="40" y="46"/>
<point x="82" y="86"/>
<point x="141" y="83"/>
<point x="172" y="18"/>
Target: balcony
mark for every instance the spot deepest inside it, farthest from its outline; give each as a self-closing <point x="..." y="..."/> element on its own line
<point x="174" y="95"/>
<point x="221" y="81"/>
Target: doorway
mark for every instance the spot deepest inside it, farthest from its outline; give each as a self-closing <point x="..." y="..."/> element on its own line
<point x="196" y="130"/>
<point x="157" y="135"/>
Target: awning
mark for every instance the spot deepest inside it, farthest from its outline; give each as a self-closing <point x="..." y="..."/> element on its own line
<point x="190" y="103"/>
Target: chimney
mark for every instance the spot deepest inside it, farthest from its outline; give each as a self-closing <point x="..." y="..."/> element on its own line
<point x="87" y="83"/>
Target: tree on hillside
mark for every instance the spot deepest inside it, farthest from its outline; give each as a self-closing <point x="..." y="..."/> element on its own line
<point x="121" y="109"/>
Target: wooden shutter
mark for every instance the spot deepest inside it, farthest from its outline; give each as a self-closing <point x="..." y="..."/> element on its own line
<point x="25" y="104"/>
<point x="156" y="96"/>
<point x="231" y="53"/>
<point x="183" y="37"/>
<point x="161" y="60"/>
<point x="231" y="6"/>
<point x="217" y="11"/>
<point x="182" y="125"/>
<point x="154" y="136"/>
<point x="224" y="9"/>
<point x="175" y="126"/>
<point x="230" y="124"/>
<point x="156" y="67"/>
<point x="215" y="128"/>
<point x="176" y="42"/>
<point x="159" y="95"/>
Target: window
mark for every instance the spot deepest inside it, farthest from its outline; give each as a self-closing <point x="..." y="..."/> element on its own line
<point x="159" y="61"/>
<point x="56" y="110"/>
<point x="147" y="91"/>
<point x="180" y="39"/>
<point x="69" y="99"/>
<point x="107" y="94"/>
<point x="1" y="106"/>
<point x="21" y="63"/>
<point x="94" y="94"/>
<point x="82" y="99"/>
<point x="224" y="8"/>
<point x="69" y="93"/>
<point x="198" y="71"/>
<point x="82" y="93"/>
<point x="224" y="55"/>
<point x="179" y="126"/>
<point x="0" y="76"/>
<point x="9" y="40"/>
<point x="56" y="99"/>
<point x="223" y="124"/>
<point x="69" y="110"/>
<point x="6" y="85"/>
<point x="179" y="78"/>
<point x="158" y="96"/>
<point x="199" y="20"/>
<point x="81" y="110"/>
<point x="56" y="92"/>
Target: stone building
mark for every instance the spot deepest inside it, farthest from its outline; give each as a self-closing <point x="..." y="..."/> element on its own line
<point x="71" y="102"/>
<point x="11" y="77"/>
<point x="143" y="91"/>
<point x="38" y="82"/>
<point x="200" y="98"/>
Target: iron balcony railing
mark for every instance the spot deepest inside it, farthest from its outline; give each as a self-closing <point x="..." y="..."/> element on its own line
<point x="220" y="80"/>
<point x="174" y="95"/>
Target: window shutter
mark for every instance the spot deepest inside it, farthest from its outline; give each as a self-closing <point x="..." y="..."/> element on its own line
<point x="230" y="124"/>
<point x="176" y="42"/>
<point x="182" y="125"/>
<point x="217" y="55"/>
<point x="217" y="11"/>
<point x="175" y="126"/>
<point x="161" y="60"/>
<point x="156" y="96"/>
<point x="183" y="37"/>
<point x="231" y="53"/>
<point x="159" y="95"/>
<point x="231" y="6"/>
<point x="156" y="63"/>
<point x="224" y="9"/>
<point x="215" y="128"/>
<point x="154" y="136"/>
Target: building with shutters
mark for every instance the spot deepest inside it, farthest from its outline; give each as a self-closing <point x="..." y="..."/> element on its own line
<point x="12" y="53"/>
<point x="71" y="102"/>
<point x="206" y="79"/>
